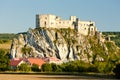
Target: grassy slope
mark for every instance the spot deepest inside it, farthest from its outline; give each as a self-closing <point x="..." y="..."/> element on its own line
<point x="5" y="40"/>
<point x="5" y="45"/>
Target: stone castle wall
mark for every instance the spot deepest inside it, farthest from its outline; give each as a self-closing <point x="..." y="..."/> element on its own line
<point x="53" y="21"/>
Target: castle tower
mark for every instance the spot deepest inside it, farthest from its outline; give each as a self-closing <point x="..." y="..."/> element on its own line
<point x="46" y="20"/>
<point x="37" y="21"/>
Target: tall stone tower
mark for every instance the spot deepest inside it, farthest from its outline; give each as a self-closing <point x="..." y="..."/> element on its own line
<point x="37" y="21"/>
<point x="45" y="20"/>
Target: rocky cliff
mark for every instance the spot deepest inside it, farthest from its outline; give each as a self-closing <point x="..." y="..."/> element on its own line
<point x="65" y="44"/>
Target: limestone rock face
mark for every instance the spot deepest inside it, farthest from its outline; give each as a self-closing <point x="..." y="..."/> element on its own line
<point x="65" y="44"/>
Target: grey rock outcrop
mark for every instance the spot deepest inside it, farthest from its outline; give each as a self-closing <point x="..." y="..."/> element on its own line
<point x="65" y="44"/>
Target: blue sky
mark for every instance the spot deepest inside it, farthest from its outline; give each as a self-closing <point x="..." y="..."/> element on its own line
<point x="19" y="15"/>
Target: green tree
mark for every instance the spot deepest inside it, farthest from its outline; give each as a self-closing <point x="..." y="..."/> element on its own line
<point x="35" y="68"/>
<point x="46" y="67"/>
<point x="55" y="67"/>
<point x="24" y="67"/>
<point x="78" y="66"/>
<point x="4" y="61"/>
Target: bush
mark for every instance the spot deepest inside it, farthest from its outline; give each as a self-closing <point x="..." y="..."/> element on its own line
<point x="117" y="71"/>
<point x="78" y="66"/>
<point x="4" y="60"/>
<point x="35" y="68"/>
<point x="55" y="67"/>
<point x="46" y="67"/>
<point x="24" y="67"/>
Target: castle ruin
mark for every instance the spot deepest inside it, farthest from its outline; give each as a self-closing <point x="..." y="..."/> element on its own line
<point x="53" y="21"/>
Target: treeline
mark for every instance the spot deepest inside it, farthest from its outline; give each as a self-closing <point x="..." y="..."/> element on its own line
<point x="71" y="67"/>
<point x="74" y="66"/>
<point x="7" y="36"/>
<point x="111" y="33"/>
<point x="10" y="36"/>
<point x="79" y="66"/>
<point x="116" y="37"/>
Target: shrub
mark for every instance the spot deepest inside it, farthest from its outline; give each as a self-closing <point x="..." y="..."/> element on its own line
<point x="117" y="71"/>
<point x="46" y="67"/>
<point x="35" y="68"/>
<point x="4" y="61"/>
<point x="55" y="67"/>
<point x="24" y="67"/>
<point x="78" y="66"/>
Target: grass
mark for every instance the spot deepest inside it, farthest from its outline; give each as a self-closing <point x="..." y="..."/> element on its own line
<point x="6" y="39"/>
<point x="5" y="46"/>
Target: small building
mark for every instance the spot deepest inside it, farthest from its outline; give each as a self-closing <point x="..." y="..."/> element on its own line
<point x="53" y="60"/>
<point x="14" y="63"/>
<point x="37" y="61"/>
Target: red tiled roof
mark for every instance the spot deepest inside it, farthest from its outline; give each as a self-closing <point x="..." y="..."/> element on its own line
<point x="37" y="61"/>
<point x="52" y="59"/>
<point x="15" y="62"/>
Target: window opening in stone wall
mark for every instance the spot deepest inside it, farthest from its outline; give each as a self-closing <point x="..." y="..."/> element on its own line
<point x="91" y="24"/>
<point x="45" y="23"/>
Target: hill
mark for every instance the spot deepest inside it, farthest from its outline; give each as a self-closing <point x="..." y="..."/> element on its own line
<point x="65" y="44"/>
